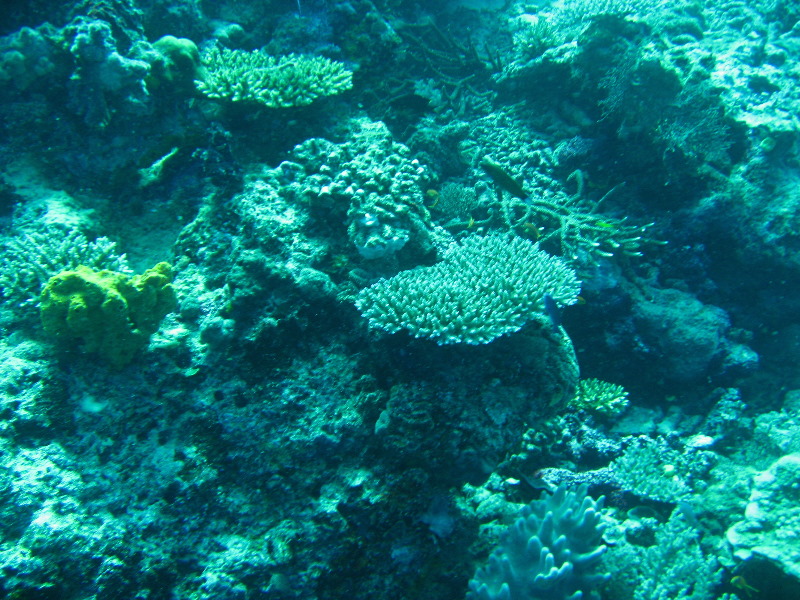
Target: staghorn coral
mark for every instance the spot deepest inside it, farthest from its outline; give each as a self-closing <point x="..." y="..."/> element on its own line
<point x="572" y="225"/>
<point x="601" y="397"/>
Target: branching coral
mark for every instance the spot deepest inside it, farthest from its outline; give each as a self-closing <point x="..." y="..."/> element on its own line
<point x="274" y="81"/>
<point x="652" y="469"/>
<point x="674" y="567"/>
<point x="484" y="288"/>
<point x="33" y="258"/>
<point x="553" y="550"/>
<point x="569" y="225"/>
<point x="601" y="397"/>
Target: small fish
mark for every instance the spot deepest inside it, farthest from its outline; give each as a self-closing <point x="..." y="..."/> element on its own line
<point x="551" y="310"/>
<point x="637" y="513"/>
<point x="688" y="513"/>
<point x="433" y="196"/>
<point x="739" y="582"/>
<point x="501" y="177"/>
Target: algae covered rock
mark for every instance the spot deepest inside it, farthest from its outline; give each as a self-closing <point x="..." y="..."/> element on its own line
<point x="771" y="526"/>
<point x="109" y="313"/>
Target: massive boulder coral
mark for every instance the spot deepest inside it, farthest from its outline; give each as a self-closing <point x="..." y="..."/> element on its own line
<point x="26" y="56"/>
<point x="376" y="181"/>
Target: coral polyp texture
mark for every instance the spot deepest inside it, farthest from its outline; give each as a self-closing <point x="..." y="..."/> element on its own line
<point x="485" y="287"/>
<point x="553" y="551"/>
<point x="273" y="81"/>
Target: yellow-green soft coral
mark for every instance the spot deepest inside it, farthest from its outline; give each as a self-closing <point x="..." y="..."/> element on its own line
<point x="112" y="314"/>
<point x="274" y="81"/>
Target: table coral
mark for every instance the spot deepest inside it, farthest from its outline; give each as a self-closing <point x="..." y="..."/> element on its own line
<point x="485" y="287"/>
<point x="274" y="81"/>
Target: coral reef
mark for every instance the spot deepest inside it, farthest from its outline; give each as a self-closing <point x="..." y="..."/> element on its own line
<point x="321" y="173"/>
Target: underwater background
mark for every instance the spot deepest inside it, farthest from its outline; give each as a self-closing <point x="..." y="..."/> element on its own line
<point x="395" y="299"/>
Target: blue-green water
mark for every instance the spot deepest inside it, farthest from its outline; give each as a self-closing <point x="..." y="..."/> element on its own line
<point x="392" y="299"/>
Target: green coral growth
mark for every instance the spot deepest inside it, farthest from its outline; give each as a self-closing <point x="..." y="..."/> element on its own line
<point x="485" y="287"/>
<point x="112" y="314"/>
<point x="600" y="397"/>
<point x="32" y="258"/>
<point x="674" y="567"/>
<point x="176" y="62"/>
<point x="274" y="81"/>
<point x="651" y="469"/>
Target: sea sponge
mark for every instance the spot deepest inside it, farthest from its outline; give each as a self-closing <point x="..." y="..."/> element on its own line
<point x="112" y="314"/>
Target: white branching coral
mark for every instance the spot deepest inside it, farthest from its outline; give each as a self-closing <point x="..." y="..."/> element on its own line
<point x="485" y="287"/>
